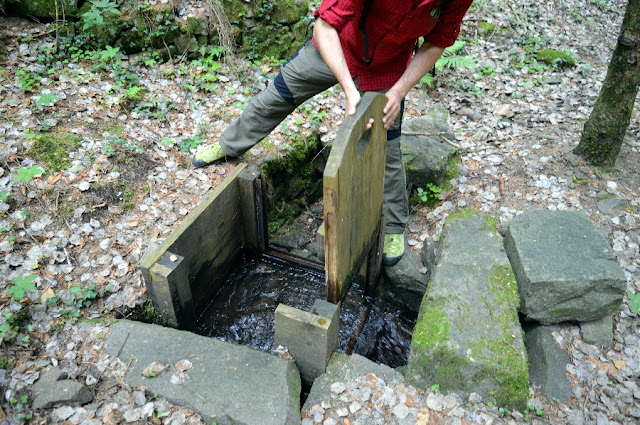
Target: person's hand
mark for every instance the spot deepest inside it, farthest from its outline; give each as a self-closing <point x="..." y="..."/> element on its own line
<point x="353" y="99"/>
<point x="392" y="108"/>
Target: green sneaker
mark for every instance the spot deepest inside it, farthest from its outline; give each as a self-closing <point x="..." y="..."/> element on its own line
<point x="393" y="248"/>
<point x="207" y="155"/>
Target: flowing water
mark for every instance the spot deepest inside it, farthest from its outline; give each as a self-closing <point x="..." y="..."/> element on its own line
<point x="243" y="311"/>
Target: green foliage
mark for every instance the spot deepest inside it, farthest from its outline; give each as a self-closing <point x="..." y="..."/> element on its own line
<point x="47" y="99"/>
<point x="429" y="195"/>
<point x="634" y="301"/>
<point x="109" y="53"/>
<point x="28" y="80"/>
<point x="190" y="143"/>
<point x="5" y="362"/>
<point x="485" y="27"/>
<point x="450" y="58"/>
<point x="114" y="145"/>
<point x="53" y="150"/>
<point x="435" y="388"/>
<point x="82" y="297"/>
<point x="27" y="174"/>
<point x="21" y="284"/>
<point x="94" y="18"/>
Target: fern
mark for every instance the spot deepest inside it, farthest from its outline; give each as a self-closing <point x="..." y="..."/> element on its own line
<point x="450" y="59"/>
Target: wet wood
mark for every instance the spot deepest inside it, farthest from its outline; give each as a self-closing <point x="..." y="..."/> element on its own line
<point x="353" y="189"/>
<point x="252" y="209"/>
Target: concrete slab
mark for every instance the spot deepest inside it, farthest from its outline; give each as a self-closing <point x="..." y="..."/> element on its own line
<point x="226" y="383"/>
<point x="565" y="269"/>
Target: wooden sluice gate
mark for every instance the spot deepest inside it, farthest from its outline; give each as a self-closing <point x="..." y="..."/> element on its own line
<point x="187" y="269"/>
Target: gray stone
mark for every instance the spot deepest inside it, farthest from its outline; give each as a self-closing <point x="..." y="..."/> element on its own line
<point x="234" y="384"/>
<point x="62" y="413"/>
<point x="427" y="156"/>
<point x="598" y="332"/>
<point x="52" y="389"/>
<point x="344" y="369"/>
<point x="547" y="363"/>
<point x="468" y="336"/>
<point x="564" y="268"/>
<point x="428" y="253"/>
<point x="610" y="206"/>
<point x="403" y="283"/>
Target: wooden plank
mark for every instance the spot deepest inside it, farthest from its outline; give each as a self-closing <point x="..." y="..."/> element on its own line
<point x="209" y="240"/>
<point x="170" y="290"/>
<point x="353" y="190"/>
<point x="251" y="206"/>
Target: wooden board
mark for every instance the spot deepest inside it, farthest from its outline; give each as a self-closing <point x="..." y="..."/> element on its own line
<point x="353" y="190"/>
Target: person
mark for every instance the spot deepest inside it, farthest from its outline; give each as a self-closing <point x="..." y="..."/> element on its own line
<point x="363" y="45"/>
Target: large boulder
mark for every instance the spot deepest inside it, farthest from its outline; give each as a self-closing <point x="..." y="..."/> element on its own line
<point x="404" y="283"/>
<point x="467" y="337"/>
<point x="566" y="270"/>
<point x="427" y="155"/>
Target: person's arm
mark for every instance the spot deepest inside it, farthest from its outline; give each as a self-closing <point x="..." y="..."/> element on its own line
<point x="422" y="62"/>
<point x="330" y="49"/>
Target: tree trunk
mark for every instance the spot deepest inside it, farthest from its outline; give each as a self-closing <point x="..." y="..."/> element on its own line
<point x="604" y="132"/>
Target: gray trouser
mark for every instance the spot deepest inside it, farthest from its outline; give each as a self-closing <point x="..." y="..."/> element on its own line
<point x="306" y="75"/>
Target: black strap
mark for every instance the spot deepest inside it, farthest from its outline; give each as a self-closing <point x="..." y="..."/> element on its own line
<point x="363" y="29"/>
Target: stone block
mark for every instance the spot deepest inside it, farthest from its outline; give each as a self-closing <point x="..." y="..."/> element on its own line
<point x="311" y="337"/>
<point x="345" y="369"/>
<point x="547" y="363"/>
<point x="598" y="332"/>
<point x="226" y="384"/>
<point x="53" y="389"/>
<point x="467" y="337"/>
<point x="565" y="269"/>
<point x="426" y="154"/>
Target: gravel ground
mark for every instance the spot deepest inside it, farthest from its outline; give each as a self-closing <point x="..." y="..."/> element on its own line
<point x="128" y="183"/>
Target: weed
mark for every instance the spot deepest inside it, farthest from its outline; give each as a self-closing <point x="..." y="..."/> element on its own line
<point x="94" y="18"/>
<point x="190" y="143"/>
<point x="430" y="193"/>
<point x="47" y="99"/>
<point x="27" y="174"/>
<point x="490" y="404"/>
<point x="435" y="388"/>
<point x="28" y="80"/>
<point x="82" y="297"/>
<point x="21" y="284"/>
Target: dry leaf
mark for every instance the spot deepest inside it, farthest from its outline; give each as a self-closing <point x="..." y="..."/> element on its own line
<point x="619" y="364"/>
<point x="54" y="178"/>
<point x="154" y="369"/>
<point x="183" y="365"/>
<point x="133" y="223"/>
<point x="47" y="294"/>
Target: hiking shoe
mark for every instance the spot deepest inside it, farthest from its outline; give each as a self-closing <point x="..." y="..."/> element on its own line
<point x="393" y="248"/>
<point x="207" y="155"/>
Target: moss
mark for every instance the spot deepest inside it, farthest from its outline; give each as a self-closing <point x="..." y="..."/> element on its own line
<point x="485" y="27"/>
<point x="53" y="150"/>
<point x="289" y="11"/>
<point x="432" y="328"/>
<point x="461" y="214"/>
<point x="510" y="368"/>
<point x="5" y="362"/>
<point x="559" y="57"/>
<point x="493" y="224"/>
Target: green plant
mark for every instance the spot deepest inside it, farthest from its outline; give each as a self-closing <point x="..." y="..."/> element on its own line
<point x="28" y="80"/>
<point x="5" y="362"/>
<point x="190" y="143"/>
<point x="94" y="18"/>
<point x="27" y="174"/>
<point x="47" y="99"/>
<point x="635" y="301"/>
<point x="82" y="297"/>
<point x="21" y="284"/>
<point x="450" y="59"/>
<point x="53" y="149"/>
<point x="490" y="404"/>
<point x="435" y="388"/>
<point x="430" y="193"/>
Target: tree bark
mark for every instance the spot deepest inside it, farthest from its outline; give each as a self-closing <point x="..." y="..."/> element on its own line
<point x="604" y="131"/>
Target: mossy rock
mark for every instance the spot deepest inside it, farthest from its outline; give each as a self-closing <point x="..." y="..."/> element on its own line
<point x="555" y="57"/>
<point x="289" y="11"/>
<point x="45" y="8"/>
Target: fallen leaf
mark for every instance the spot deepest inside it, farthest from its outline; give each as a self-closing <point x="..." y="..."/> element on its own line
<point x="46" y="295"/>
<point x="133" y="223"/>
<point x="619" y="364"/>
<point x="54" y="178"/>
<point x="154" y="369"/>
<point x="183" y="365"/>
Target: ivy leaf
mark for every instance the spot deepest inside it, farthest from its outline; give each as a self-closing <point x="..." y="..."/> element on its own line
<point x="21" y="284"/>
<point x="47" y="99"/>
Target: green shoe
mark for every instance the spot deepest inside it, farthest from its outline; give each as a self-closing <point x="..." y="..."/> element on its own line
<point x="207" y="155"/>
<point x="393" y="248"/>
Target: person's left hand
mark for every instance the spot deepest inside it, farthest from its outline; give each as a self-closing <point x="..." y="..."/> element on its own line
<point x="392" y="108"/>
